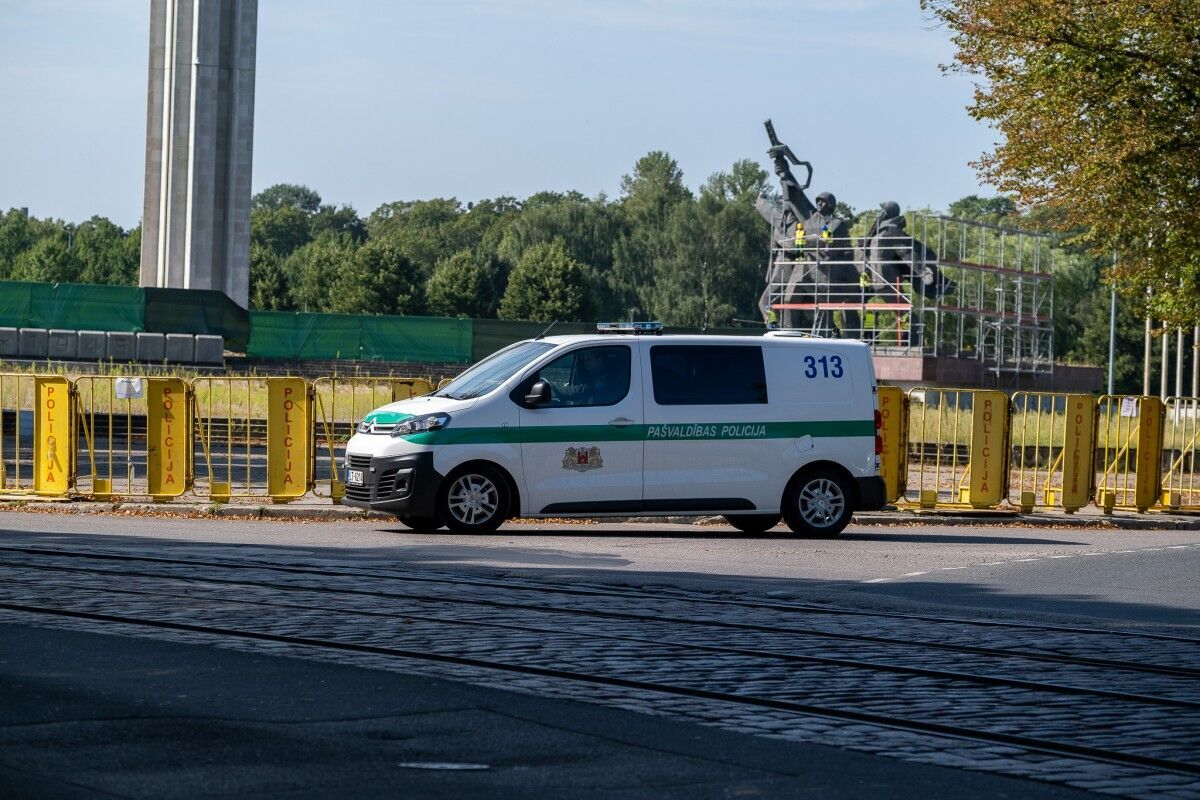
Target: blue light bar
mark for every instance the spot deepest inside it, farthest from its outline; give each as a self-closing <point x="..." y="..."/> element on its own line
<point x="629" y="327"/>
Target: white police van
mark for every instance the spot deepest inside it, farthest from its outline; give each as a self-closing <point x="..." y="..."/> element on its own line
<point x="622" y="423"/>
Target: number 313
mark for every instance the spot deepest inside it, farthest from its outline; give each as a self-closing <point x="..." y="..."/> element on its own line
<point x="830" y="366"/>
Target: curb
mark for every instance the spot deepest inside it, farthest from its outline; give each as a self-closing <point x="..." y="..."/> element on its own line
<point x="332" y="513"/>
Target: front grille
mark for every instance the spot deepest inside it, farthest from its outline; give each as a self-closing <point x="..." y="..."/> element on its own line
<point x="387" y="484"/>
<point x="360" y="493"/>
<point x="358" y="462"/>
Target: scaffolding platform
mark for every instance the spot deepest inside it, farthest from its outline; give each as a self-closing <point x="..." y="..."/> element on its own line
<point x="966" y="301"/>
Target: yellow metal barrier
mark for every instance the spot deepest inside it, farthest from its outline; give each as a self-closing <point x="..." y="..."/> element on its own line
<point x="1181" y="448"/>
<point x="339" y="406"/>
<point x="957" y="448"/>
<point x="893" y="461"/>
<point x="134" y="435"/>
<point x="253" y="438"/>
<point x="230" y="437"/>
<point x="1052" y="448"/>
<point x="17" y="404"/>
<point x="1129" y="457"/>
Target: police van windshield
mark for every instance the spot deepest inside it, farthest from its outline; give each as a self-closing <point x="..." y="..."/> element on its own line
<point x="493" y="370"/>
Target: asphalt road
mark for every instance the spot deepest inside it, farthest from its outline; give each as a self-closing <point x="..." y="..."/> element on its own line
<point x="146" y="714"/>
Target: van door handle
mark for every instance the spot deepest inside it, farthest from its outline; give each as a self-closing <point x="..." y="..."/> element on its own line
<point x="620" y="422"/>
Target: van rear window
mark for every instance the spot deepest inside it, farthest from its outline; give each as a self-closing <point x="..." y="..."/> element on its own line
<point x="708" y="375"/>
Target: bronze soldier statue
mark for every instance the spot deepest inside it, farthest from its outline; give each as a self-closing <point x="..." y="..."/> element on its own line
<point x="812" y="256"/>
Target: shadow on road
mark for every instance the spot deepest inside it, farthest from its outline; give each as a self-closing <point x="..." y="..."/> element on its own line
<point x="1022" y="592"/>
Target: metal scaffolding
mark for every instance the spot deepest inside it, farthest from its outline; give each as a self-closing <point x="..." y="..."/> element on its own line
<point x="971" y="290"/>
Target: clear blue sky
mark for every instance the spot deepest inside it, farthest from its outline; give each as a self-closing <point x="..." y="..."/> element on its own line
<point x="369" y="102"/>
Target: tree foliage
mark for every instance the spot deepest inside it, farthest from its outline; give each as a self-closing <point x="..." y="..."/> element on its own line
<point x="547" y="285"/>
<point x="467" y="284"/>
<point x="1099" y="108"/>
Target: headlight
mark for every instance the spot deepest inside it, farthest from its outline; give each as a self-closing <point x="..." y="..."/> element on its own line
<point x="429" y="422"/>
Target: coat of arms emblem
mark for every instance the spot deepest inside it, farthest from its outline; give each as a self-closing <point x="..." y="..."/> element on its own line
<point x="582" y="459"/>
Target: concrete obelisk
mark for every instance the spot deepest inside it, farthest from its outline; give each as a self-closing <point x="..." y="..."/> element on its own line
<point x="199" y="138"/>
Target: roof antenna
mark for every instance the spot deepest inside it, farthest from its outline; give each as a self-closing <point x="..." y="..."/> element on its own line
<point x="542" y="335"/>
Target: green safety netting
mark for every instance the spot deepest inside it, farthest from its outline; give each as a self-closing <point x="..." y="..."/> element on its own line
<point x="417" y="339"/>
<point x="71" y="306"/>
<point x="205" y="311"/>
<point x="495" y="334"/>
<point x="288" y="334"/>
<point x="284" y="334"/>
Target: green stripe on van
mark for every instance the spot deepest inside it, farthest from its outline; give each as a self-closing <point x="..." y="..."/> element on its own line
<point x="699" y="431"/>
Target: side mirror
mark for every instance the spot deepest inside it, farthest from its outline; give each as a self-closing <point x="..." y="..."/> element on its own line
<point x="538" y="393"/>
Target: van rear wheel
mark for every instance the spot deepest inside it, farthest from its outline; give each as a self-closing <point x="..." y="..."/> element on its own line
<point x="474" y="499"/>
<point x="754" y="523"/>
<point x="817" y="504"/>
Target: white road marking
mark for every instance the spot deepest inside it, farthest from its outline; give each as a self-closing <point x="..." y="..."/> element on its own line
<point x="913" y="574"/>
<point x="877" y="580"/>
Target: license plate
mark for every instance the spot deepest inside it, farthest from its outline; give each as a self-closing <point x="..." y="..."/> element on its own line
<point x="354" y="477"/>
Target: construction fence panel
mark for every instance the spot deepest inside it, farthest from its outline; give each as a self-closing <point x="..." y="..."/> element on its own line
<point x="230" y="437"/>
<point x="131" y="437"/>
<point x="957" y="448"/>
<point x="340" y="404"/>
<point x="1128" y="452"/>
<point x="1052" y="446"/>
<point x="1181" y="440"/>
<point x="17" y="410"/>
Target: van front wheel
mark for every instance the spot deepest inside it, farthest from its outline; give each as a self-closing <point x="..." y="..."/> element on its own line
<point x="474" y="500"/>
<point x="817" y="504"/>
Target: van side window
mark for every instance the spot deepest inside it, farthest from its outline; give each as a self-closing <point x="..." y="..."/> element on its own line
<point x="591" y="376"/>
<point x="703" y="375"/>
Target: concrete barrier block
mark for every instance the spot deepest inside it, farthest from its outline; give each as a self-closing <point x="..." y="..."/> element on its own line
<point x="63" y="344"/>
<point x="210" y="349"/>
<point x="151" y="346"/>
<point x="122" y="346"/>
<point x="34" y="342"/>
<point x="181" y="348"/>
<point x="10" y="342"/>
<point x="92" y="346"/>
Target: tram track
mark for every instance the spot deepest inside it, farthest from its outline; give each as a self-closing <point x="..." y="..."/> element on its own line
<point x="802" y="608"/>
<point x="940" y="674"/>
<point x="974" y="650"/>
<point x="916" y="726"/>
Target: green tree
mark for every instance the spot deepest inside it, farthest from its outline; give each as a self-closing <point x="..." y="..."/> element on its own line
<point x="287" y="195"/>
<point x="18" y="232"/>
<point x="467" y="284"/>
<point x="268" y="281"/>
<point x="588" y="228"/>
<point x="339" y="220"/>
<point x="47" y="261"/>
<point x="995" y="210"/>
<point x="312" y="270"/>
<point x="281" y="230"/>
<point x="1098" y="110"/>
<point x="379" y="279"/>
<point x="423" y="230"/>
<point x="649" y="196"/>
<point x="547" y="285"/>
<point x="718" y="247"/>
<point x="103" y="254"/>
